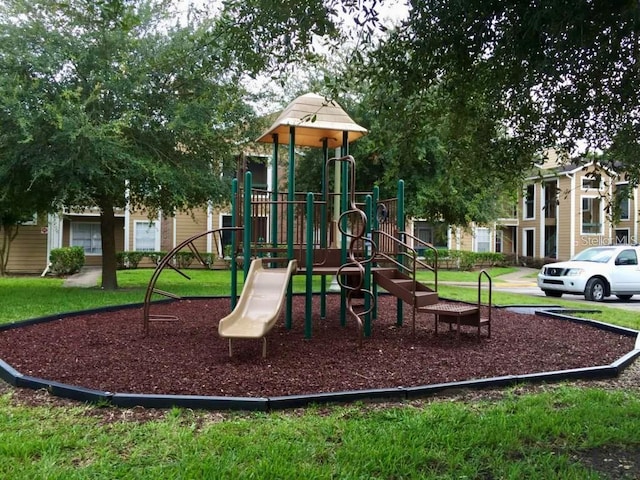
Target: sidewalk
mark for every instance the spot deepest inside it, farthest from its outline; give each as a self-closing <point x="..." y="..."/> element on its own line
<point x="522" y="278"/>
<point x="87" y="277"/>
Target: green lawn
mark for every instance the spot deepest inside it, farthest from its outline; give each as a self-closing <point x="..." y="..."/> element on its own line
<point x="518" y="435"/>
<point x="30" y="297"/>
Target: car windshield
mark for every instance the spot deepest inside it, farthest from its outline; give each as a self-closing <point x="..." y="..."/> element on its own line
<point x="598" y="254"/>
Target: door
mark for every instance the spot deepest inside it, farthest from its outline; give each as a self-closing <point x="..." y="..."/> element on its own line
<point x="529" y="243"/>
<point x="622" y="236"/>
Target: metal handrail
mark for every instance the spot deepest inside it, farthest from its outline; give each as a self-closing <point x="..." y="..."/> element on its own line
<point x="411" y="253"/>
<point x="480" y="275"/>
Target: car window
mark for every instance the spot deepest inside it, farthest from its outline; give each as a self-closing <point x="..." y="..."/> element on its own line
<point x="627" y="257"/>
<point x="598" y="254"/>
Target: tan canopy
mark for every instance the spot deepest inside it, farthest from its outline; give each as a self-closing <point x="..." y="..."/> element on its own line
<point x="314" y="118"/>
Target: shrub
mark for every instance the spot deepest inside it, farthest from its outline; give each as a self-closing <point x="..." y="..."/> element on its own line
<point x="66" y="260"/>
<point x="184" y="259"/>
<point x="155" y="257"/>
<point x="465" y="260"/>
<point x="129" y="259"/>
<point x="134" y="258"/>
<point x="121" y="260"/>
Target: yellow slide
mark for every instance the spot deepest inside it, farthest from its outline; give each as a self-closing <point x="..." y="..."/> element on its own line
<point x="260" y="303"/>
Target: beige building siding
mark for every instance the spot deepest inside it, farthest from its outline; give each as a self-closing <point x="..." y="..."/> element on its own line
<point x="565" y="223"/>
<point x="28" y="252"/>
<point x="186" y="226"/>
<point x="173" y="230"/>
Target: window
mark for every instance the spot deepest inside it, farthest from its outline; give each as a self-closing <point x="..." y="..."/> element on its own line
<point x="550" y="199"/>
<point x="434" y="233"/>
<point x="33" y="220"/>
<point x="591" y="215"/>
<point x="145" y="237"/>
<point x="592" y="182"/>
<point x="483" y="240"/>
<point x="627" y="257"/>
<point x="622" y="200"/>
<point x="87" y="236"/>
<point x="258" y="169"/>
<point x="529" y="202"/>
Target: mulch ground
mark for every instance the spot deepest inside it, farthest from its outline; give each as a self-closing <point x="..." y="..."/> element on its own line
<point x="108" y="351"/>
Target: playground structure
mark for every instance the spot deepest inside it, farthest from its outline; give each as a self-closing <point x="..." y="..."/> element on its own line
<point x="355" y="237"/>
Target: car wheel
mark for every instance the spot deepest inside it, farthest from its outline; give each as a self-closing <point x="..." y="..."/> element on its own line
<point x="624" y="298"/>
<point x="595" y="290"/>
<point x="552" y="293"/>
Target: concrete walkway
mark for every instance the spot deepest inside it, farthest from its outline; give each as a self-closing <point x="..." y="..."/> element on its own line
<point x="523" y="277"/>
<point x="87" y="277"/>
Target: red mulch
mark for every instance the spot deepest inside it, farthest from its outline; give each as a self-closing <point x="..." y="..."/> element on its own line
<point x="108" y="351"/>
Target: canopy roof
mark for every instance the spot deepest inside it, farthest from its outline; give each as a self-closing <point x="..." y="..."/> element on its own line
<point x="314" y="119"/>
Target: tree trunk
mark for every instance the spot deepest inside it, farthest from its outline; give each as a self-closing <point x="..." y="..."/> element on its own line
<point x="9" y="233"/>
<point x="107" y="230"/>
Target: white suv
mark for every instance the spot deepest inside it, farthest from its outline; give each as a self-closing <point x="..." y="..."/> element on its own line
<point x="596" y="273"/>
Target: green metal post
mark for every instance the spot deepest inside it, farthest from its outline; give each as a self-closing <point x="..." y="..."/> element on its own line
<point x="274" y="192"/>
<point x="309" y="272"/>
<point x="290" y="198"/>
<point x="324" y="226"/>
<point x="400" y="226"/>
<point x="367" y="267"/>
<point x="246" y="239"/>
<point x="376" y="239"/>
<point x="234" y="243"/>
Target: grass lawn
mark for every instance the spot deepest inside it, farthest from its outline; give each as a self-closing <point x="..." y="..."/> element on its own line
<point x="513" y="436"/>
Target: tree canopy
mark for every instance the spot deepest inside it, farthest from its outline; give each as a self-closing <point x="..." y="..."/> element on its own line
<point x="563" y="74"/>
<point x="111" y="102"/>
<point x="529" y="75"/>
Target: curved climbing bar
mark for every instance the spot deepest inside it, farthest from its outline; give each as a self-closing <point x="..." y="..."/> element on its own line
<point x="358" y="237"/>
<point x="168" y="261"/>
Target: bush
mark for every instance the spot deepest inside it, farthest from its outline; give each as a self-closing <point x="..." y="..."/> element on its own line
<point x="465" y="260"/>
<point x="155" y="257"/>
<point x="66" y="260"/>
<point x="129" y="259"/>
<point x="184" y="259"/>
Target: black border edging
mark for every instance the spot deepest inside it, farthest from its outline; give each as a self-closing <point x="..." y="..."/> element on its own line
<point x="296" y="401"/>
<point x="128" y="400"/>
<point x="200" y="402"/>
<point x="557" y="313"/>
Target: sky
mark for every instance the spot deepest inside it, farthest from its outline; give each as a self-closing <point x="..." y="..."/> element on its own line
<point x="391" y="13"/>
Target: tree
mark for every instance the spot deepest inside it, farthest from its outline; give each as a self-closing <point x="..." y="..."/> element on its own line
<point x="558" y="74"/>
<point x="457" y="162"/>
<point x="562" y="74"/>
<point x="21" y="196"/>
<point x="114" y="103"/>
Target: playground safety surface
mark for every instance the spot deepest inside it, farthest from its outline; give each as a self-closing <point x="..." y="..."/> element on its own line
<point x="107" y="351"/>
